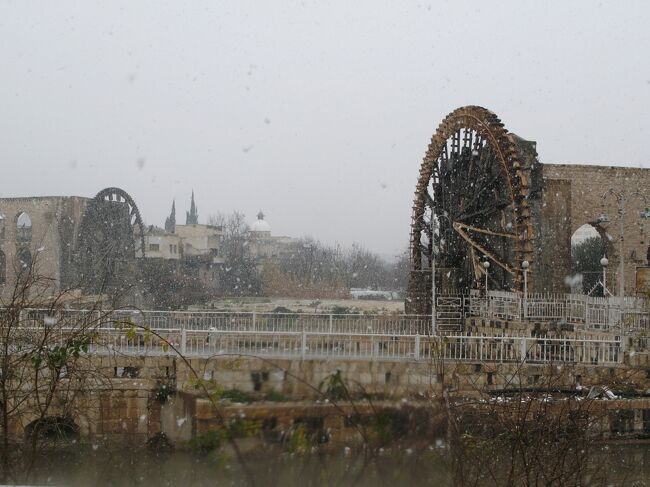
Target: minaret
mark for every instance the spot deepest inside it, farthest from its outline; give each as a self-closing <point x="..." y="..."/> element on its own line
<point x="192" y="216"/>
<point x="170" y="222"/>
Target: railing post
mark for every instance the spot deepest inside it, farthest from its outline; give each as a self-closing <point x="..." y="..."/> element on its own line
<point x="417" y="347"/>
<point x="523" y="349"/>
<point x="524" y="307"/>
<point x="331" y="322"/>
<point x="183" y="341"/>
<point x="303" y="343"/>
<point x="254" y="321"/>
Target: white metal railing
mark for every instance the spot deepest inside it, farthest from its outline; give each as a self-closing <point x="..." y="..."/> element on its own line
<point x="628" y="315"/>
<point x="249" y="322"/>
<point x="625" y="316"/>
<point x="322" y="345"/>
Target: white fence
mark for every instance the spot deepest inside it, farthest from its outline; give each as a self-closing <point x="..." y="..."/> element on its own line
<point x="315" y="345"/>
<point x="368" y="337"/>
<point x="628" y="315"/>
<point x="244" y="322"/>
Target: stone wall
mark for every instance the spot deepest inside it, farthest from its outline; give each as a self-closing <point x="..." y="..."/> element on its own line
<point x="55" y="222"/>
<point x="128" y="407"/>
<point x="573" y="195"/>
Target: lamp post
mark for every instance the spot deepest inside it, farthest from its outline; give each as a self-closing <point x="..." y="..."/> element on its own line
<point x="434" y="325"/>
<point x="486" y="266"/>
<point x="621" y="198"/>
<point x="525" y="265"/>
<point x="434" y="228"/>
<point x="604" y="262"/>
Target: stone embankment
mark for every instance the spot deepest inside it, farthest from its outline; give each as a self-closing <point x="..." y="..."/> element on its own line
<point x="145" y="396"/>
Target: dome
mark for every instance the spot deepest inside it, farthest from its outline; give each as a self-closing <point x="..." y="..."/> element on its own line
<point x="260" y="225"/>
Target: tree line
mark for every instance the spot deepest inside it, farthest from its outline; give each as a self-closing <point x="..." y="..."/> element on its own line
<point x="304" y="268"/>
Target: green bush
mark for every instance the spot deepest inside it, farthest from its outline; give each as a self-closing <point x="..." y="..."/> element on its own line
<point x="207" y="442"/>
<point x="163" y="393"/>
<point x="275" y="396"/>
<point x="235" y="395"/>
<point x="243" y="428"/>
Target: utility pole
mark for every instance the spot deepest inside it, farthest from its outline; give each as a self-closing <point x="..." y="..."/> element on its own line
<point x="434" y="325"/>
<point x="621" y="198"/>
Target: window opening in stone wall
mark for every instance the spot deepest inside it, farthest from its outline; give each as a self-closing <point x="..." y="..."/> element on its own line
<point x="588" y="247"/>
<point x="24" y="258"/>
<point x="2" y="226"/>
<point x="23" y="227"/>
<point x="154" y="247"/>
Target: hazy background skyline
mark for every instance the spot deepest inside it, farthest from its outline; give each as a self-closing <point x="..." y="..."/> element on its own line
<point x="317" y="113"/>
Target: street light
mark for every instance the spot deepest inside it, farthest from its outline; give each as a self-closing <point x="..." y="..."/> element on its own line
<point x="434" y="227"/>
<point x="621" y="198"/>
<point x="525" y="265"/>
<point x="604" y="262"/>
<point x="434" y="325"/>
<point x="486" y="266"/>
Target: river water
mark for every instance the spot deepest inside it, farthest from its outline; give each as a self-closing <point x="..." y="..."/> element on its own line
<point x="623" y="465"/>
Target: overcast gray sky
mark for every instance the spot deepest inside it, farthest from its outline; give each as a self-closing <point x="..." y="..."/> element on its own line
<point x="318" y="113"/>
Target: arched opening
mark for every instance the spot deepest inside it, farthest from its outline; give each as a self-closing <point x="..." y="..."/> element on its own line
<point x="3" y="267"/>
<point x="53" y="428"/>
<point x="23" y="227"/>
<point x="589" y="244"/>
<point x="24" y="257"/>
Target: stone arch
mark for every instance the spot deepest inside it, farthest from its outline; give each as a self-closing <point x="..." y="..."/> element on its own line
<point x="24" y="259"/>
<point x="23" y="227"/>
<point x="590" y="242"/>
<point x="53" y="428"/>
<point x="599" y="195"/>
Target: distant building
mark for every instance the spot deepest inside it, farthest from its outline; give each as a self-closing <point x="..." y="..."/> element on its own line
<point x="266" y="248"/>
<point x="201" y="240"/>
<point x="192" y="216"/>
<point x="193" y="250"/>
<point x="161" y="244"/>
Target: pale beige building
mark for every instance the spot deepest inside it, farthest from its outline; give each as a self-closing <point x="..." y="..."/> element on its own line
<point x="162" y="245"/>
<point x="265" y="247"/>
<point x="201" y="240"/>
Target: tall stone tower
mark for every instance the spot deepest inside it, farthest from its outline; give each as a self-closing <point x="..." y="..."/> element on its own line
<point x="192" y="216"/>
<point x="170" y="221"/>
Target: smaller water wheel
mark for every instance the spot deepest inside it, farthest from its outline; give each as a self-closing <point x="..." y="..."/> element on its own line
<point x="111" y="236"/>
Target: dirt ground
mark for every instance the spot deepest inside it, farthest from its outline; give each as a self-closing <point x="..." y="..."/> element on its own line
<point x="266" y="305"/>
